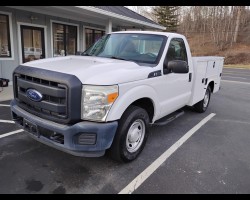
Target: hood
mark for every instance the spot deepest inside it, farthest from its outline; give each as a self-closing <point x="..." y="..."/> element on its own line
<point x="94" y="70"/>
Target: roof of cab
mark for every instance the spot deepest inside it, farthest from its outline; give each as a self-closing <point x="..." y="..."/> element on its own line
<point x="168" y="34"/>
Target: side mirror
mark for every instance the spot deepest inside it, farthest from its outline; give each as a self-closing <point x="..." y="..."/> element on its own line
<point x="178" y="66"/>
<point x="165" y="67"/>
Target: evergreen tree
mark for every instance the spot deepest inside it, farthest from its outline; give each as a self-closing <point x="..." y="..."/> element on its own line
<point x="167" y="16"/>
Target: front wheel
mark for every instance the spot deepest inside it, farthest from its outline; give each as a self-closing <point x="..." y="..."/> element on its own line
<point x="131" y="135"/>
<point x="202" y="105"/>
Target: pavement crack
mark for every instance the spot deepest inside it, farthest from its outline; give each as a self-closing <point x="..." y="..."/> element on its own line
<point x="5" y="153"/>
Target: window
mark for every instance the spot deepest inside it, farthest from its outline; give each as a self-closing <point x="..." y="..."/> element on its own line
<point x="92" y="36"/>
<point x="5" y="47"/>
<point x="64" y="39"/>
<point x="177" y="50"/>
<point x="140" y="48"/>
<point x="32" y="43"/>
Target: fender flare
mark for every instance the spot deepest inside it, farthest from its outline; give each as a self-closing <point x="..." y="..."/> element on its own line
<point x="130" y="96"/>
<point x="209" y="81"/>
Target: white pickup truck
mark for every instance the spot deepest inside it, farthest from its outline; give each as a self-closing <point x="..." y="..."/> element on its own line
<point x="106" y="97"/>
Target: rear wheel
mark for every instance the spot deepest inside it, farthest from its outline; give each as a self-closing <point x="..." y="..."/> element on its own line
<point x="131" y="135"/>
<point x="202" y="105"/>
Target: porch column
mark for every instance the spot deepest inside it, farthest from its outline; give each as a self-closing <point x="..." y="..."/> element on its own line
<point x="84" y="39"/>
<point x="109" y="26"/>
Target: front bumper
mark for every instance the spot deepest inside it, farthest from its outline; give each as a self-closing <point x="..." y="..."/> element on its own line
<point x="100" y="134"/>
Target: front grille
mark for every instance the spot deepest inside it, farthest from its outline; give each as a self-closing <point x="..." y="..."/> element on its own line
<point x="61" y="94"/>
<point x="54" y="100"/>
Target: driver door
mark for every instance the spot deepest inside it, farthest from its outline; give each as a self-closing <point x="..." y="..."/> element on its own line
<point x="176" y="88"/>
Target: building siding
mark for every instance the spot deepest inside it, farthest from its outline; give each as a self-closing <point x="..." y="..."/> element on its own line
<point x="19" y="16"/>
<point x="24" y="17"/>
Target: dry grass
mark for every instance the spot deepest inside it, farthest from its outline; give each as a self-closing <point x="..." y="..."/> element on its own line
<point x="238" y="54"/>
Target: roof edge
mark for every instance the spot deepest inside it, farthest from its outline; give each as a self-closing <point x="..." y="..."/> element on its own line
<point x="140" y="15"/>
<point x="111" y="14"/>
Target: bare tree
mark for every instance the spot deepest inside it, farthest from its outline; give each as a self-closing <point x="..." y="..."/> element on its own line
<point x="220" y="25"/>
<point x="237" y="25"/>
<point x="223" y="23"/>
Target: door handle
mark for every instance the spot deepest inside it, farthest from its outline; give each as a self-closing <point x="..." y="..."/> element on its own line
<point x="190" y="77"/>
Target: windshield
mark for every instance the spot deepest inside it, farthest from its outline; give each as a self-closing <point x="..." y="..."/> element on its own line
<point x="142" y="48"/>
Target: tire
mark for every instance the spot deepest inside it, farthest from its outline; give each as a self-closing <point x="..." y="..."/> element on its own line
<point x="131" y="135"/>
<point x="202" y="105"/>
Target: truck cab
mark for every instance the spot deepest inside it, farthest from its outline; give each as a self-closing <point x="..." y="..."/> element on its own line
<point x="105" y="98"/>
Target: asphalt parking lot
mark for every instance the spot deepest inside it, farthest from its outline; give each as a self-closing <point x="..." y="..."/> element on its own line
<point x="214" y="159"/>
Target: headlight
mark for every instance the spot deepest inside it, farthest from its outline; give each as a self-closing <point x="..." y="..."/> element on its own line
<point x="97" y="101"/>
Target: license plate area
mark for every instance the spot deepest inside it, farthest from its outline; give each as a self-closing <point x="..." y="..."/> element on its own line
<point x="30" y="127"/>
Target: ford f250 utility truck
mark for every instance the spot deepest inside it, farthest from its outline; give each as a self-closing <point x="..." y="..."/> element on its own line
<point x="106" y="97"/>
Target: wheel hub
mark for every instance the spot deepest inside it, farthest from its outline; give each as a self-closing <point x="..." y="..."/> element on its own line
<point x="135" y="135"/>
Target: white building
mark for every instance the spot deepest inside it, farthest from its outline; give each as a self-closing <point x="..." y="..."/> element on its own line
<point x="36" y="32"/>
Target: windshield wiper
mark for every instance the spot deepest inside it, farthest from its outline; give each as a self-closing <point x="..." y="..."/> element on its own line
<point x="117" y="58"/>
<point x="85" y="54"/>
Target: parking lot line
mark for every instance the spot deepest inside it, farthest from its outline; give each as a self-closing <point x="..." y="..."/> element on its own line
<point x="11" y="133"/>
<point x="7" y="121"/>
<point x="235" y="82"/>
<point x="133" y="185"/>
<point x="5" y="105"/>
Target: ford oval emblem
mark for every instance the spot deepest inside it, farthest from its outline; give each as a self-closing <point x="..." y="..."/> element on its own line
<point x="34" y="95"/>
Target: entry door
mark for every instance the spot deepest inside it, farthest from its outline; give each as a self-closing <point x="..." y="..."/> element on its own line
<point x="32" y="40"/>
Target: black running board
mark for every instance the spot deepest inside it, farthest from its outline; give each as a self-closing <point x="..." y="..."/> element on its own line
<point x="169" y="118"/>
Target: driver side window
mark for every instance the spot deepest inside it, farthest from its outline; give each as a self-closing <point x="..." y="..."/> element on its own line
<point x="176" y="51"/>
